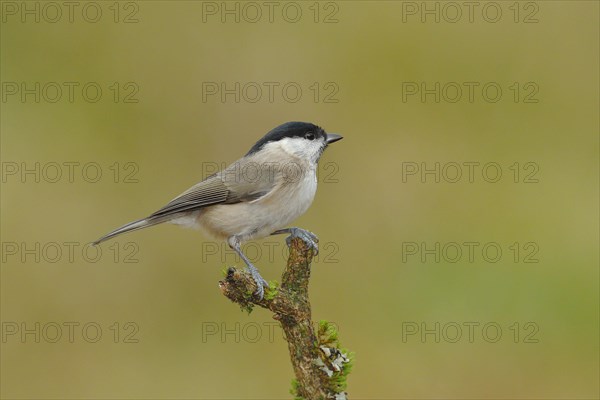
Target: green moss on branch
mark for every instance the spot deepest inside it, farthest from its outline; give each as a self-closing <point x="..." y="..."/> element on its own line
<point x="320" y="367"/>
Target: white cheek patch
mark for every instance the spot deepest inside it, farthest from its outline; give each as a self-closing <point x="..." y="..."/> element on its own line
<point x="302" y="148"/>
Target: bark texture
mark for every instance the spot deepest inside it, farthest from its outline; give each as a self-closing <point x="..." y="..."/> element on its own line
<point x="291" y="307"/>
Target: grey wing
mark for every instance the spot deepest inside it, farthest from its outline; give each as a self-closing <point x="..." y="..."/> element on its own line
<point x="208" y="192"/>
<point x="227" y="187"/>
<point x="251" y="178"/>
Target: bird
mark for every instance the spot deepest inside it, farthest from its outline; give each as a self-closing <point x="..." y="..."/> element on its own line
<point x="256" y="196"/>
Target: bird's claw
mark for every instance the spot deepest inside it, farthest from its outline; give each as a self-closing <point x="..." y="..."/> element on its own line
<point x="260" y="283"/>
<point x="306" y="236"/>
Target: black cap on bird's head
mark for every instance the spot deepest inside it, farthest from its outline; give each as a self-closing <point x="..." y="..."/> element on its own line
<point x="294" y="129"/>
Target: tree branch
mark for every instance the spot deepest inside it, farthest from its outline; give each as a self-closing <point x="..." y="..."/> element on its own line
<point x="320" y="369"/>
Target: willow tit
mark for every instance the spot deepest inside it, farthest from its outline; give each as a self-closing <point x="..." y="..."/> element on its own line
<point x="256" y="196"/>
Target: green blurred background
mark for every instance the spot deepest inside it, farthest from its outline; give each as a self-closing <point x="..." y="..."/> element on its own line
<point x="191" y="341"/>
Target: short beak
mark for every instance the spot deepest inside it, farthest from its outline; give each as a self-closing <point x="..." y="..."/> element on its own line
<point x="332" y="137"/>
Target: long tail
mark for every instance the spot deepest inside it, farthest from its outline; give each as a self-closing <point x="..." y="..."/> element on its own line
<point x="134" y="226"/>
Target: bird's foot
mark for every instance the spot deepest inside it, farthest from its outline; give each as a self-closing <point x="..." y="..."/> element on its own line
<point x="307" y="237"/>
<point x="259" y="280"/>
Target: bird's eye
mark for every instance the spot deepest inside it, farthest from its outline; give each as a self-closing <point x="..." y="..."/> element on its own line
<point x="310" y="136"/>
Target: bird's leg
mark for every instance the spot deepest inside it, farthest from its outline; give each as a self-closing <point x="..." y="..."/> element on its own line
<point x="234" y="243"/>
<point x="308" y="237"/>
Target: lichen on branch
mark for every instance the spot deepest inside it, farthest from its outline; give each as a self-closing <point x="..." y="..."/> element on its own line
<point x="319" y="365"/>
